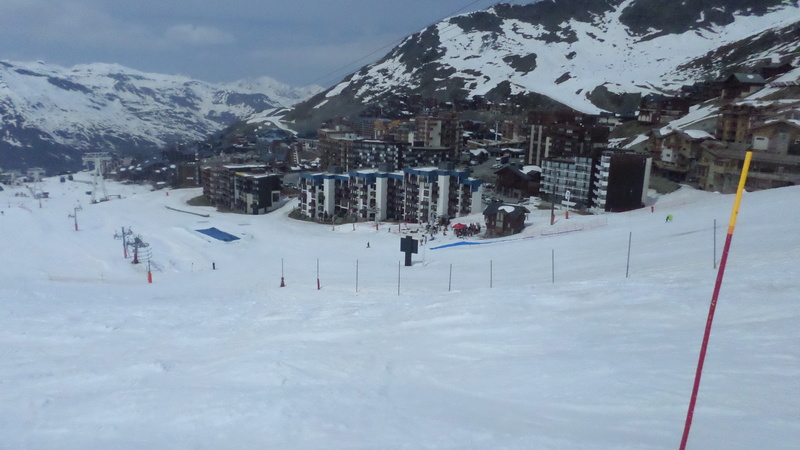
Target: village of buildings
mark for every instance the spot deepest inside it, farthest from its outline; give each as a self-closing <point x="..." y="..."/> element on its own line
<point x="436" y="166"/>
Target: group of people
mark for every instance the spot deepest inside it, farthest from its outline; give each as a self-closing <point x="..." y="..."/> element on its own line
<point x="470" y="230"/>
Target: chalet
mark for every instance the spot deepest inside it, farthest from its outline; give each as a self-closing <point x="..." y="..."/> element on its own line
<point x="654" y="108"/>
<point x="504" y="220"/>
<point x="777" y="136"/>
<point x="739" y="85"/>
<point x="720" y="170"/>
<point x="774" y="69"/>
<point x="515" y="182"/>
<point x="677" y="151"/>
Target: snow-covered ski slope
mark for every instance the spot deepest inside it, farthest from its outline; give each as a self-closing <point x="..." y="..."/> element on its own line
<point x="93" y="356"/>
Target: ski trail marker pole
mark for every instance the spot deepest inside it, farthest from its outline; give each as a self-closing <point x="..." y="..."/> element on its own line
<point x="714" y="298"/>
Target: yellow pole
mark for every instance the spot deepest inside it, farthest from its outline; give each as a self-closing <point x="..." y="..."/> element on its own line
<point x="739" y="190"/>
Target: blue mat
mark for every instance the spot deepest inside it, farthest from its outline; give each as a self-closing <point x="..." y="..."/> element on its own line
<point x="218" y="234"/>
<point x="456" y="244"/>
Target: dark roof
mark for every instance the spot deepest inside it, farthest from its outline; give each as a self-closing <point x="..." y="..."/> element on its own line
<point x="514" y="170"/>
<point x="747" y="78"/>
<point x="515" y="212"/>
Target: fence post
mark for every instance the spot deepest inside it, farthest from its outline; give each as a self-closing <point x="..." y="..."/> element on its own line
<point x="450" y="280"/>
<point x="628" y="265"/>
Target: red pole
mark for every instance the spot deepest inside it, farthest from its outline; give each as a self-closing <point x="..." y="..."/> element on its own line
<point x="712" y="308"/>
<point x="149" y="277"/>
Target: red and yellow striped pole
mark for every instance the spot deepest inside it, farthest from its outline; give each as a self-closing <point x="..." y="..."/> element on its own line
<point x="714" y="297"/>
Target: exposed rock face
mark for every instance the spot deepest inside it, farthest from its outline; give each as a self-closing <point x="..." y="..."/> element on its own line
<point x="580" y="53"/>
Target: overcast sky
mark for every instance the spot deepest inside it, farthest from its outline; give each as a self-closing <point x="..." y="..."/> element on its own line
<point x="297" y="42"/>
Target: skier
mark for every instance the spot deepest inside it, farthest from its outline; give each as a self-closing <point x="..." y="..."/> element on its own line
<point x="669" y="218"/>
<point x="367" y="244"/>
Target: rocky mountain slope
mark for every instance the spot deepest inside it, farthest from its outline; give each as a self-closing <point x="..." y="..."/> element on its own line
<point x="50" y="115"/>
<point x="589" y="55"/>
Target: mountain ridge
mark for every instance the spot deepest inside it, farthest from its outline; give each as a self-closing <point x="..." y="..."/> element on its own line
<point x="571" y="51"/>
<point x="51" y="114"/>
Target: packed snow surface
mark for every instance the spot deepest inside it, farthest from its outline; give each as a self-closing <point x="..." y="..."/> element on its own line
<point x="545" y="340"/>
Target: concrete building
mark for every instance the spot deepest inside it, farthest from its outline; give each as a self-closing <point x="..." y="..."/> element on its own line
<point x="246" y="188"/>
<point x="621" y="180"/>
<point x="609" y="180"/>
<point x="564" y="134"/>
<point x="568" y="181"/>
<point x="413" y="194"/>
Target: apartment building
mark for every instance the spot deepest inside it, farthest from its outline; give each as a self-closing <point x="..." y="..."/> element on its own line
<point x="422" y="194"/>
<point x="568" y="181"/>
<point x="621" y="180"/>
<point x="609" y="180"/>
<point x="563" y="134"/>
<point x="246" y="188"/>
<point x="442" y="130"/>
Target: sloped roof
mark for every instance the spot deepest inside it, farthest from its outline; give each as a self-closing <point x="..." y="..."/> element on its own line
<point x="747" y="78"/>
<point x="512" y="211"/>
<point x="790" y="122"/>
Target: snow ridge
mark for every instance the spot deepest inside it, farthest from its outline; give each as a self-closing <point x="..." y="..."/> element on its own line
<point x="108" y="106"/>
<point x="490" y="52"/>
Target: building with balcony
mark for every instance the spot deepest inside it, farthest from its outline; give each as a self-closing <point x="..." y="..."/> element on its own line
<point x="564" y="134"/>
<point x="441" y="130"/>
<point x="246" y="188"/>
<point x="443" y="192"/>
<point x="610" y="180"/>
<point x="677" y="152"/>
<point x="256" y="193"/>
<point x="324" y="196"/>
<point x="414" y="194"/>
<point x="621" y="180"/>
<point x="568" y="181"/>
<point x="720" y="169"/>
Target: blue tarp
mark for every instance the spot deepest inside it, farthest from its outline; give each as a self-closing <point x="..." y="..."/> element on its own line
<point x="218" y="234"/>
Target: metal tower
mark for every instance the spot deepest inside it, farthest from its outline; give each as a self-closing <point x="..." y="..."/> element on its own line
<point x="35" y="173"/>
<point x="99" y="159"/>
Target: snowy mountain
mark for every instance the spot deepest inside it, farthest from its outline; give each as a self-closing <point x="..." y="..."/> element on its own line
<point x="544" y="340"/>
<point x="49" y="114"/>
<point x="584" y="54"/>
